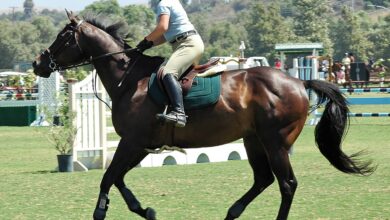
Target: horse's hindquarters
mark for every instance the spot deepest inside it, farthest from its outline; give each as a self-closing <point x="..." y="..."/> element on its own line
<point x="251" y="102"/>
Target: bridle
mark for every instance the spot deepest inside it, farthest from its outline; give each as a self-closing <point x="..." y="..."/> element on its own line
<point x="68" y="36"/>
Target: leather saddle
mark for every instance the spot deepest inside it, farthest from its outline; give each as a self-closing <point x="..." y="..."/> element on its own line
<point x="187" y="79"/>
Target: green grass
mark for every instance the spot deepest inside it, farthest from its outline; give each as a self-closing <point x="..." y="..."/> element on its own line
<point x="30" y="189"/>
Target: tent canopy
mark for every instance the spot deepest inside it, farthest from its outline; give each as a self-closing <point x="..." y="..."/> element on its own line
<point x="11" y="73"/>
<point x="299" y="47"/>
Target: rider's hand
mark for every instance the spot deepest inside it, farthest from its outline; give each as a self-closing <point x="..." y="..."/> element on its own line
<point x="144" y="45"/>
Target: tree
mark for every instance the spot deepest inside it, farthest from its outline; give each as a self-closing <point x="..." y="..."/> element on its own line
<point x="141" y="21"/>
<point x="380" y="38"/>
<point x="45" y="26"/>
<point x="56" y="16"/>
<point x="110" y="8"/>
<point x="266" y="27"/>
<point x="202" y="5"/>
<point x="224" y="40"/>
<point x="240" y="5"/>
<point x="17" y="43"/>
<point x="221" y="24"/>
<point x="348" y="36"/>
<point x="311" y="22"/>
<point x="22" y="41"/>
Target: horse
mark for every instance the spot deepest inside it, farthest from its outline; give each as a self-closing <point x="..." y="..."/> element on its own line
<point x="262" y="105"/>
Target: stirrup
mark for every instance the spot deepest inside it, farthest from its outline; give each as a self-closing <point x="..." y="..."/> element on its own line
<point x="176" y="118"/>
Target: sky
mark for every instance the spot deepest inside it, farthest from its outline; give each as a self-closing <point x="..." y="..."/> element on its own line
<point x="74" y="5"/>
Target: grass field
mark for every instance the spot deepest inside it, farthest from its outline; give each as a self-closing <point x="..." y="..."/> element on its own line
<point x="31" y="189"/>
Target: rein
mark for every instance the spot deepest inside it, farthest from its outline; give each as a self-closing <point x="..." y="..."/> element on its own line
<point x="55" y="67"/>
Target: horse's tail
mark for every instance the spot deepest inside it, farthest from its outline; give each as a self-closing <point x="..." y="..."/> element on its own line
<point x="332" y="127"/>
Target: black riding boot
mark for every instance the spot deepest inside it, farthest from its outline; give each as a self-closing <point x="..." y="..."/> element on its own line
<point x="176" y="115"/>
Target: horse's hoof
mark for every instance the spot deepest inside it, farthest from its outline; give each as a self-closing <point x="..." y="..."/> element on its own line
<point x="150" y="214"/>
<point x="99" y="214"/>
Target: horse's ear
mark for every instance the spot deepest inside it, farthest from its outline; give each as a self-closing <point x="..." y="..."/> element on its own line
<point x="70" y="14"/>
<point x="73" y="18"/>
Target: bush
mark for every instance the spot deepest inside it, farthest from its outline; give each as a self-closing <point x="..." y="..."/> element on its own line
<point x="63" y="134"/>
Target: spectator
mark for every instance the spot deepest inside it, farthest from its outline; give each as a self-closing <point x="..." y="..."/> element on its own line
<point x="370" y="63"/>
<point x="278" y="64"/>
<point x="341" y="76"/>
<point x="351" y="57"/>
<point x="346" y="61"/>
<point x="380" y="68"/>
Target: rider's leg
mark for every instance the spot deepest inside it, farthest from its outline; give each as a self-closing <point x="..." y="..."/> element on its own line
<point x="185" y="53"/>
<point x="173" y="89"/>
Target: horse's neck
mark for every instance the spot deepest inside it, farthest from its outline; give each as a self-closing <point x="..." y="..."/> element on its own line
<point x="110" y="74"/>
<point x="110" y="69"/>
<point x="139" y="68"/>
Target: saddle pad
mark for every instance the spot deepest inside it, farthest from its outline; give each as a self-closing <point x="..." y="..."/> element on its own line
<point x="204" y="92"/>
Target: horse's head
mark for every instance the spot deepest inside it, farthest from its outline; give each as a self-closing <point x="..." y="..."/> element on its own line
<point x="63" y="52"/>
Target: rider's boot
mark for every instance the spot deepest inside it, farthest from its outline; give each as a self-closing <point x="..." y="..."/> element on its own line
<point x="173" y="89"/>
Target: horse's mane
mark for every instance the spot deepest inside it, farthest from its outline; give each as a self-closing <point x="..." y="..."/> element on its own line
<point x="119" y="30"/>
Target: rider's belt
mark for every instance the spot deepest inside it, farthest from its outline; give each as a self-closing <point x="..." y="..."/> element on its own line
<point x="183" y="36"/>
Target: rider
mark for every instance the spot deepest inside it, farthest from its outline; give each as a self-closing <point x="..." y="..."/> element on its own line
<point x="173" y="26"/>
<point x="346" y="61"/>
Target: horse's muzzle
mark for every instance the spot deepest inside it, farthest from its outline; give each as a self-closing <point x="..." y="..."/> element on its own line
<point x="39" y="70"/>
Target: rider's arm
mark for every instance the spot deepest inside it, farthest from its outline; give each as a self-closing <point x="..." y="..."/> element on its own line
<point x="157" y="35"/>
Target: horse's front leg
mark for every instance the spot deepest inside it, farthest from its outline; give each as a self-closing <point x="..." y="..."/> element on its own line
<point x="132" y="203"/>
<point x="125" y="158"/>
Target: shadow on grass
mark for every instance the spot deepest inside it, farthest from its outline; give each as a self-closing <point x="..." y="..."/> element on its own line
<point x="43" y="172"/>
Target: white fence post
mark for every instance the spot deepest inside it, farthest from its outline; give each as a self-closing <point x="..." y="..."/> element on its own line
<point x="294" y="72"/>
<point x="89" y="150"/>
<point x="314" y="75"/>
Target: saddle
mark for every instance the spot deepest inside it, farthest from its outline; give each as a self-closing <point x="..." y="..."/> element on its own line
<point x="198" y="92"/>
<point x="187" y="79"/>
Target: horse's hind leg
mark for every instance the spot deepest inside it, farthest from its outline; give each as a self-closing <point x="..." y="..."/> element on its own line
<point x="125" y="157"/>
<point x="277" y="148"/>
<point x="287" y="182"/>
<point x="263" y="176"/>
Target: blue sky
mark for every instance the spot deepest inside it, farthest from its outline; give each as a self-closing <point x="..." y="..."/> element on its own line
<point x="75" y="5"/>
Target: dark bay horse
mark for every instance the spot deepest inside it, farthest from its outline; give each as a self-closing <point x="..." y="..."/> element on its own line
<point x="261" y="105"/>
